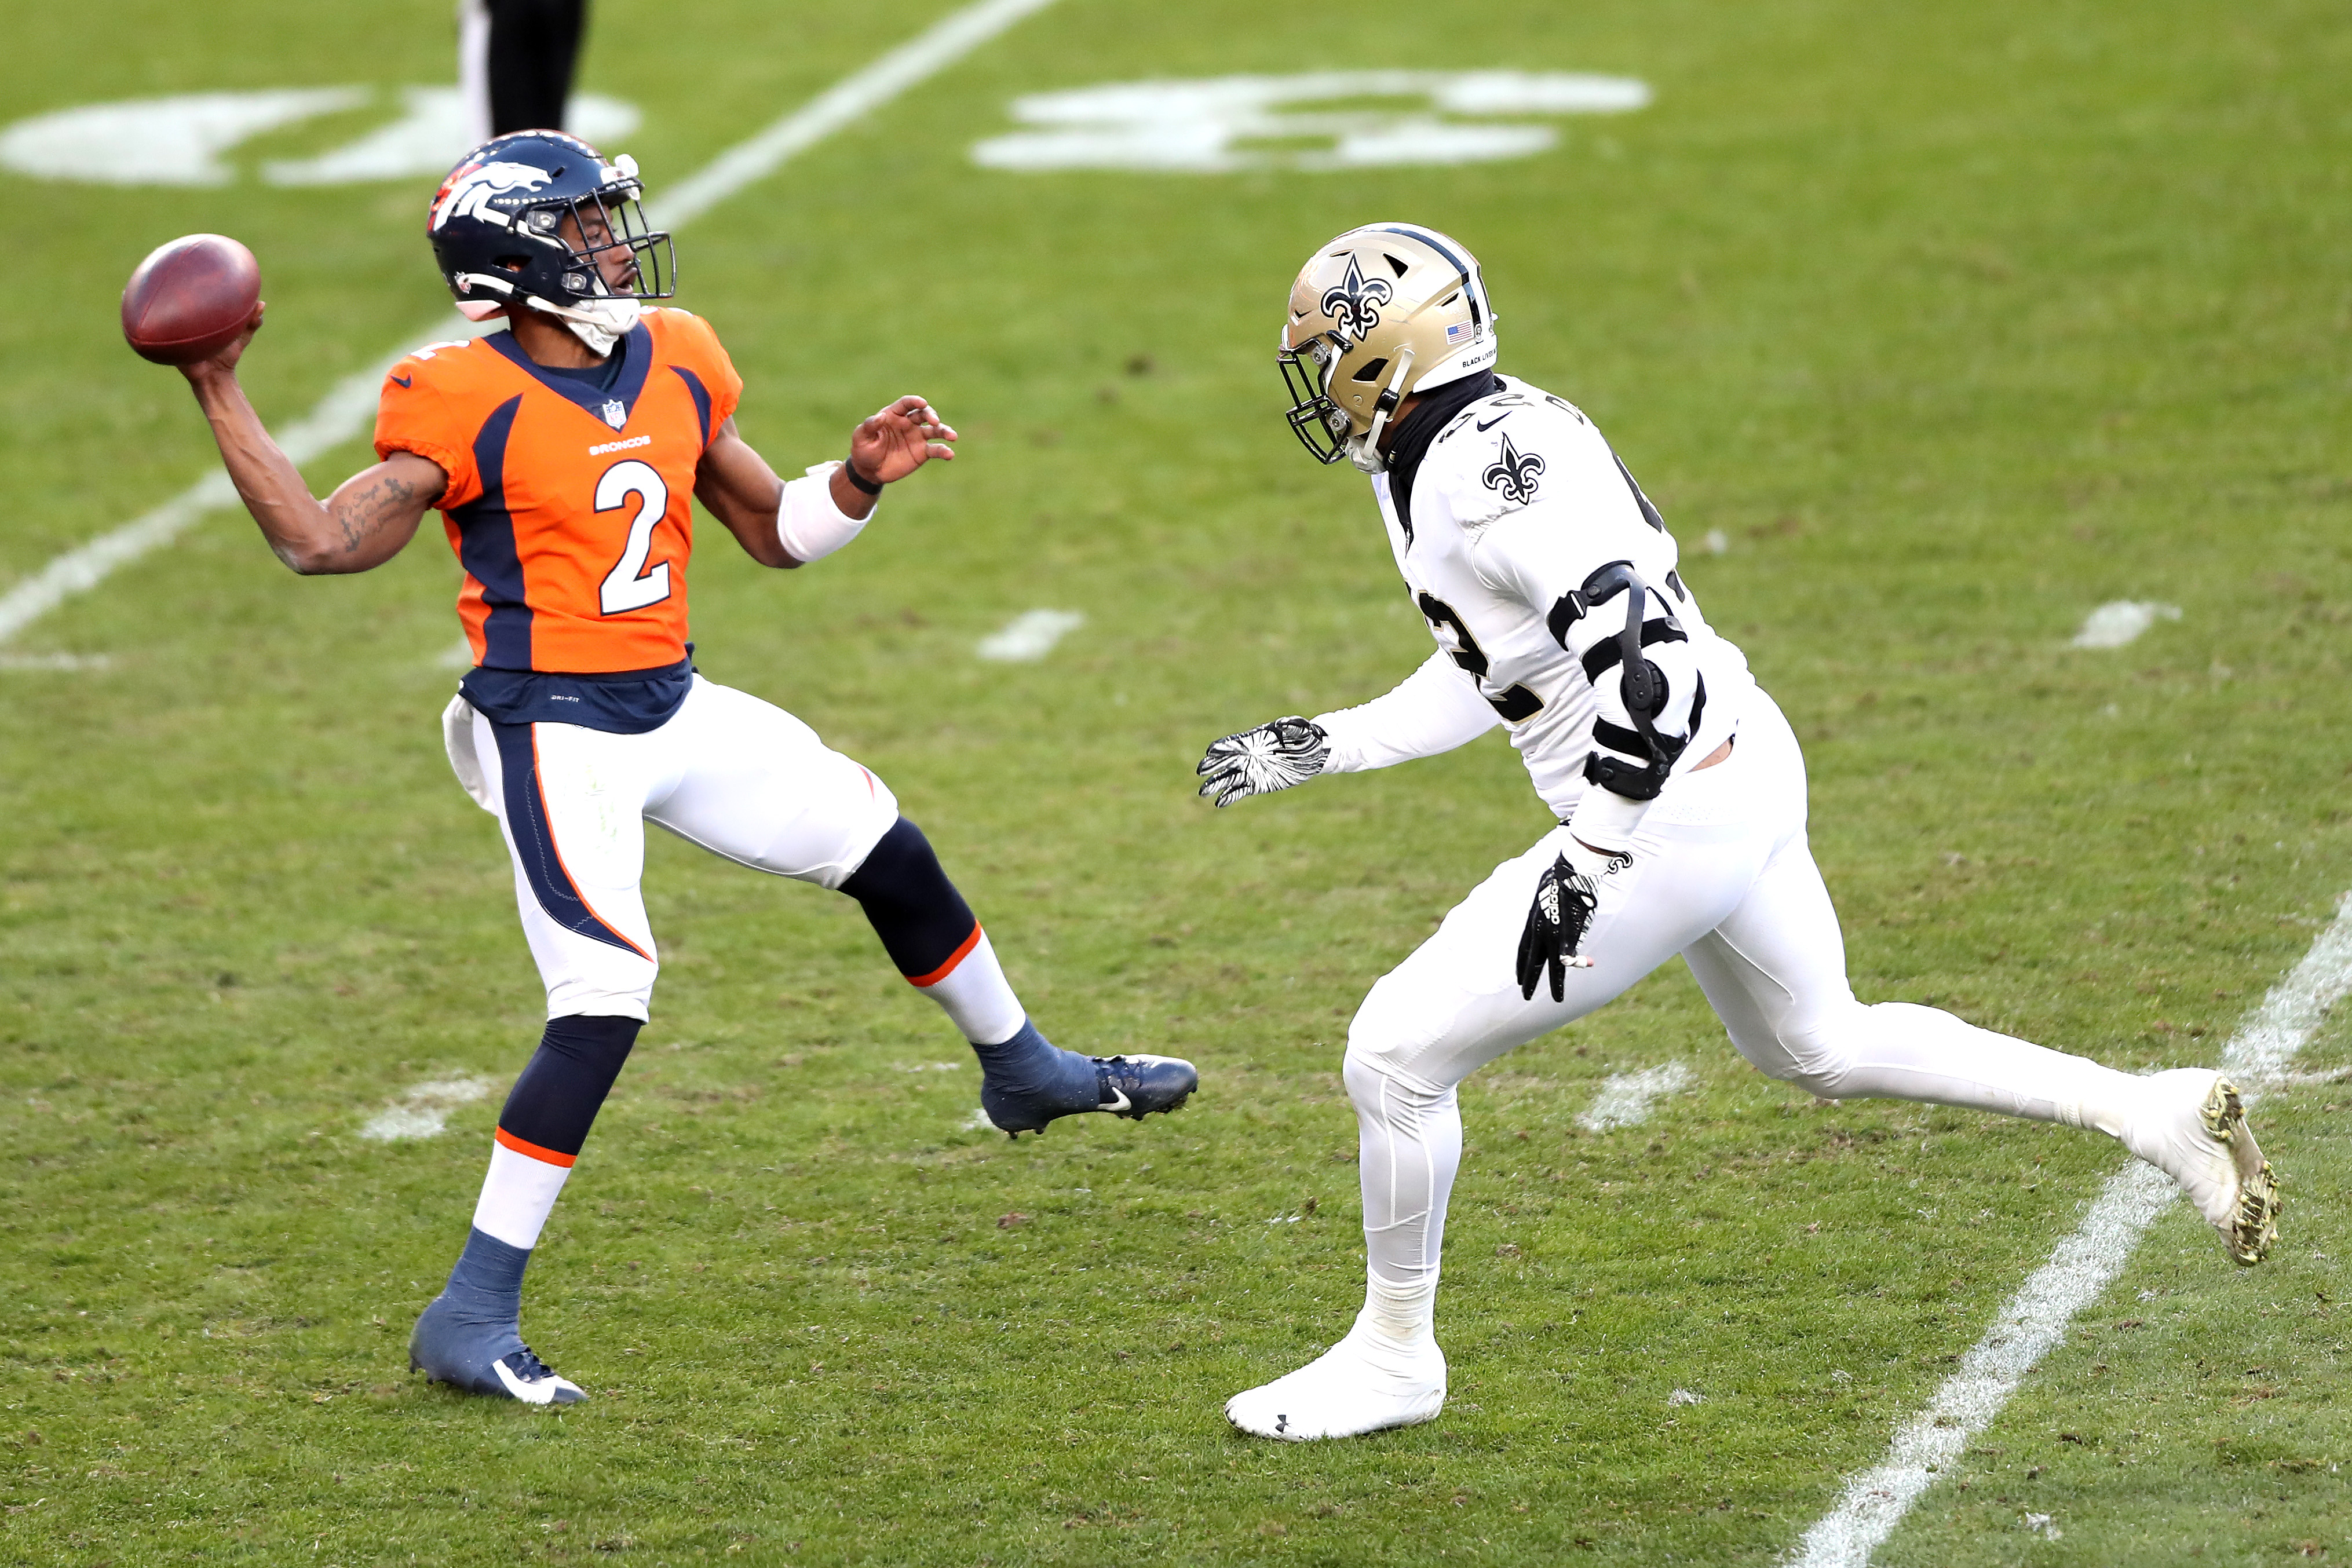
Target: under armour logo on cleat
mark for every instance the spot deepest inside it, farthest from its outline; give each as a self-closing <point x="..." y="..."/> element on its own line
<point x="1282" y="1423"/>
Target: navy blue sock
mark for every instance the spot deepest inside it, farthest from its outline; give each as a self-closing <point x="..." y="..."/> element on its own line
<point x="484" y="1288"/>
<point x="1035" y="1071"/>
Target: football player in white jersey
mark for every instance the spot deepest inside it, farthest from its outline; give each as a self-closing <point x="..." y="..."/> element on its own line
<point x="1551" y="585"/>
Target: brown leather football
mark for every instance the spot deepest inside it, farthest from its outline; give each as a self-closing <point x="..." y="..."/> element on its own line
<point x="190" y="298"/>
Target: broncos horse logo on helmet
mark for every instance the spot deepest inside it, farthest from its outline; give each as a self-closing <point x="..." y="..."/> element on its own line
<point x="539" y="217"/>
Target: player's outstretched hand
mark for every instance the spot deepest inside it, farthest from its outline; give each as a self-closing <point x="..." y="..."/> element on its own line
<point x="900" y="439"/>
<point x="1259" y="761"/>
<point x="223" y="363"/>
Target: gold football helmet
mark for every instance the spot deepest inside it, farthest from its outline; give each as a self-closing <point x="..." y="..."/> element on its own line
<point x="1380" y="313"/>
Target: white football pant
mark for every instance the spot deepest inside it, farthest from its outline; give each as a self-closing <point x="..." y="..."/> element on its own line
<point x="1722" y="875"/>
<point x="739" y="777"/>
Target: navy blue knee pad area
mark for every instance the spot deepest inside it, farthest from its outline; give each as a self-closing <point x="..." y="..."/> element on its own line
<point x="555" y="1101"/>
<point x="921" y="919"/>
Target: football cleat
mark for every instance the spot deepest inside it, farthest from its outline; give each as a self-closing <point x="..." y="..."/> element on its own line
<point x="1366" y="1382"/>
<point x="474" y="1359"/>
<point x="2194" y="1130"/>
<point x="1129" y="1086"/>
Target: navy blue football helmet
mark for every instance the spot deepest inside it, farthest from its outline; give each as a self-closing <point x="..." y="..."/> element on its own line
<point x="539" y="212"/>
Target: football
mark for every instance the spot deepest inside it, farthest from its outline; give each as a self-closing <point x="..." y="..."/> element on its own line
<point x="190" y="298"/>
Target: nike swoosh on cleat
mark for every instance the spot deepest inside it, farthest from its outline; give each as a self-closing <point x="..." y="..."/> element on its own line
<point x="1123" y="1102"/>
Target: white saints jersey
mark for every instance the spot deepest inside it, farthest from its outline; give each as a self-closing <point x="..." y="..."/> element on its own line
<point x="1516" y="505"/>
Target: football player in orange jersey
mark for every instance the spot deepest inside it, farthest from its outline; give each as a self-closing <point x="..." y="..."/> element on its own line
<point x="560" y="453"/>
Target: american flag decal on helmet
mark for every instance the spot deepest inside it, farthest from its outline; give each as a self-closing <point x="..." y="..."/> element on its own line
<point x="1461" y="331"/>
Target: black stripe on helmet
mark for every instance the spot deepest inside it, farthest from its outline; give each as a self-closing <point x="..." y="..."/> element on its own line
<point x="1469" y="280"/>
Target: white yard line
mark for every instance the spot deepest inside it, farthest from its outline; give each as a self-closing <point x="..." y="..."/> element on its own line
<point x="1625" y="1098"/>
<point x="2078" y="1273"/>
<point x="1029" y="636"/>
<point x="350" y="407"/>
<point x="2113" y="624"/>
<point x="425" y="1109"/>
<point x="911" y="63"/>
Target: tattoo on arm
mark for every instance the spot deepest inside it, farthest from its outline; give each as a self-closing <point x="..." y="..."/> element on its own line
<point x="369" y="510"/>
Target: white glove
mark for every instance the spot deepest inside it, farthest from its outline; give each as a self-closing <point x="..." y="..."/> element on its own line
<point x="1273" y="756"/>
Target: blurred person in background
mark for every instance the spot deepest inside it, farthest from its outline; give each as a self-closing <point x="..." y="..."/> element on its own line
<point x="515" y="59"/>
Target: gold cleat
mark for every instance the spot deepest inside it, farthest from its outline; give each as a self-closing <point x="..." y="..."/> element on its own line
<point x="2250" y="1231"/>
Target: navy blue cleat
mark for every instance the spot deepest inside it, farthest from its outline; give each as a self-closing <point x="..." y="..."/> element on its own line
<point x="1028" y="1082"/>
<point x="453" y="1346"/>
<point x="1139" y="1086"/>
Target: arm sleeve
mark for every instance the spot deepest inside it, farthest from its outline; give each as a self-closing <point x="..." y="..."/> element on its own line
<point x="1434" y="709"/>
<point x="1532" y="556"/>
<point x="809" y="523"/>
<point x="413" y="416"/>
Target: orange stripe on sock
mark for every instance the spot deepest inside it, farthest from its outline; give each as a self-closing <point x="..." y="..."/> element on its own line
<point x="944" y="970"/>
<point x="547" y="1157"/>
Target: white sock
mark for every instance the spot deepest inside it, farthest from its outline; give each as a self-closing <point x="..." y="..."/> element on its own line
<point x="1405" y="1314"/>
<point x="971" y="990"/>
<point x="519" y="1190"/>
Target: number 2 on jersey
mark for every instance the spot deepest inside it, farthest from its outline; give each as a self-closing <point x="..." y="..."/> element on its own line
<point x="629" y="586"/>
<point x="1515" y="704"/>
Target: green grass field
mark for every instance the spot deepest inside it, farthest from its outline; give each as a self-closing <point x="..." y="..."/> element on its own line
<point x="1955" y="322"/>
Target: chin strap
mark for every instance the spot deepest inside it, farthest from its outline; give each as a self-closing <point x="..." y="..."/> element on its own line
<point x="599" y="324"/>
<point x="1364" y="451"/>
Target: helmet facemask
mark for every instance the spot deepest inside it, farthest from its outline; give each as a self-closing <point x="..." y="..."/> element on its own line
<point x="1321" y="426"/>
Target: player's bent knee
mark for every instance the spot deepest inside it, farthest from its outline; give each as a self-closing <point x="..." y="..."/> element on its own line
<point x="1813" y="1059"/>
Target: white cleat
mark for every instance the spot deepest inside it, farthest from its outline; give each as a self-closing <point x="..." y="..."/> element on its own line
<point x="1366" y="1382"/>
<point x="2193" y="1128"/>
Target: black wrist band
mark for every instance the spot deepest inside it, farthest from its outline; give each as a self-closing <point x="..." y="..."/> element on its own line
<point x="849" y="466"/>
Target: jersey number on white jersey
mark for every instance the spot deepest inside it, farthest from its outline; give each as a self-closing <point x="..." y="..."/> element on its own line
<point x="1516" y="705"/>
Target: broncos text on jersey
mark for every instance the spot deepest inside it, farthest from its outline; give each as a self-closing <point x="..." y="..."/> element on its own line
<point x="570" y="501"/>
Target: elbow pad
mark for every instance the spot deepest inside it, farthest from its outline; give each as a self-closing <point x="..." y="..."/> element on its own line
<point x="808" y="524"/>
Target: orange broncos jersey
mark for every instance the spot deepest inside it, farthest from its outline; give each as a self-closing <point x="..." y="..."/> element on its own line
<point x="570" y="506"/>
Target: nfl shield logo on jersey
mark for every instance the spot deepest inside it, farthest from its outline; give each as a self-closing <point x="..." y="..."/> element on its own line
<point x="617" y="414"/>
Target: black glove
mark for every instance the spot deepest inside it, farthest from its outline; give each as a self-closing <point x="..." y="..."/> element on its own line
<point x="1273" y="756"/>
<point x="1567" y="897"/>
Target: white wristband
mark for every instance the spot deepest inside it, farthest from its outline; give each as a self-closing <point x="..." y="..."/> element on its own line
<point x="808" y="523"/>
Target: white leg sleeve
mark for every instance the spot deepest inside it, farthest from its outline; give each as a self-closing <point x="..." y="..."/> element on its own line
<point x="1775" y="972"/>
<point x="519" y="1192"/>
<point x="1454" y="1004"/>
<point x="971" y="990"/>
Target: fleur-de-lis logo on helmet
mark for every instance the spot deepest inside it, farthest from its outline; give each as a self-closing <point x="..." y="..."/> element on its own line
<point x="1353" y="303"/>
<point x="1513" y="475"/>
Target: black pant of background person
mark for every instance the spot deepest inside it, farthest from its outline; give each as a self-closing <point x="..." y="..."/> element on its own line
<point x="515" y="59"/>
